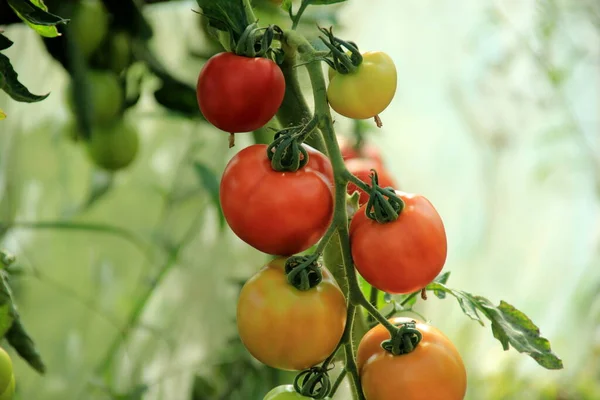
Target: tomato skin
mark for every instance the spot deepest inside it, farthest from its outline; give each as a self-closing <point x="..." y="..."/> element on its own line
<point x="89" y="26"/>
<point x="284" y="392"/>
<point x="366" y="92"/>
<point x="6" y="370"/>
<point x="278" y="213"/>
<point x="287" y="328"/>
<point x="368" y="151"/>
<point x="106" y="96"/>
<point x="361" y="168"/>
<point x="239" y="94"/>
<point x="113" y="147"/>
<point x="404" y="255"/>
<point x="434" y="370"/>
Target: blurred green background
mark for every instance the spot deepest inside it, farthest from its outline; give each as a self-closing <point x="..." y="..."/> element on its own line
<point x="496" y="121"/>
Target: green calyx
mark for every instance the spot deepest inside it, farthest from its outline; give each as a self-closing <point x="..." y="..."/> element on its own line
<point x="313" y="383"/>
<point x="257" y="42"/>
<point x="383" y="205"/>
<point x="286" y="152"/>
<point x="340" y="61"/>
<point x="404" y="340"/>
<point x="303" y="272"/>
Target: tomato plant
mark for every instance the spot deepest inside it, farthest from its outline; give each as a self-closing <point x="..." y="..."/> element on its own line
<point x="361" y="168"/>
<point x="115" y="146"/>
<point x="239" y="94"/>
<point x="287" y="328"/>
<point x="433" y="370"/>
<point x="404" y="255"/>
<point x="279" y="213"/>
<point x="367" y="91"/>
<point x="6" y="370"/>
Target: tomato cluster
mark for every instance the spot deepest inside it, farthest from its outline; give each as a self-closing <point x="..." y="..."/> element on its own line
<point x="279" y="199"/>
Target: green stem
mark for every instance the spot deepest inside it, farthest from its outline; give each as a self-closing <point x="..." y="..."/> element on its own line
<point x="303" y="6"/>
<point x="325" y="240"/>
<point x="409" y="298"/>
<point x="357" y="182"/>
<point x="249" y="12"/>
<point x="374" y="295"/>
<point x="338" y="382"/>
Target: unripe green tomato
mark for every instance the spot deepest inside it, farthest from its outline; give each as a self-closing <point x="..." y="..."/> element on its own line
<point x="365" y="92"/>
<point x="113" y="147"/>
<point x="89" y="25"/>
<point x="6" y="370"/>
<point x="106" y="96"/>
<point x="9" y="392"/>
<point x="285" y="392"/>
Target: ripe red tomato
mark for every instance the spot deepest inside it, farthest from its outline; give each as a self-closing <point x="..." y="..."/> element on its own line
<point x="279" y="213"/>
<point x="402" y="256"/>
<point x="434" y="370"/>
<point x="367" y="150"/>
<point x="361" y="168"/>
<point x="287" y="328"/>
<point x="239" y="94"/>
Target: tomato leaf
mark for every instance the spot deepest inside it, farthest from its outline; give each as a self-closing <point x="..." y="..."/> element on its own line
<point x="5" y="42"/>
<point x="209" y="181"/>
<point x="226" y="15"/>
<point x="45" y="30"/>
<point x="9" y="82"/>
<point x="443" y="278"/>
<point x="509" y="325"/>
<point x="35" y="14"/>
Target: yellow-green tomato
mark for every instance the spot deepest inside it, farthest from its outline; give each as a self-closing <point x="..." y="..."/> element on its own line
<point x="113" y="147"/>
<point x="106" y="96"/>
<point x="9" y="392"/>
<point x="89" y="25"/>
<point x="365" y="92"/>
<point x="284" y="392"/>
<point x="287" y="328"/>
<point x="6" y="370"/>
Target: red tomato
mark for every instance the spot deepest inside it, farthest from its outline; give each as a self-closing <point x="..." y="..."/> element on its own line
<point x="434" y="370"/>
<point x="239" y="94"/>
<point x="279" y="213"/>
<point x="361" y="168"/>
<point x="287" y="328"/>
<point x="367" y="150"/>
<point x="402" y="256"/>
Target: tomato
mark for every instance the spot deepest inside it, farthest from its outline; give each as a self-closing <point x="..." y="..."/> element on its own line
<point x="319" y="162"/>
<point x="287" y="328"/>
<point x="279" y="213"/>
<point x="284" y="392"/>
<point x="114" y="146"/>
<point x="9" y="392"/>
<point x="239" y="94"/>
<point x="361" y="168"/>
<point x="6" y="370"/>
<point x="434" y="370"/>
<point x="404" y="255"/>
<point x="89" y="25"/>
<point x="367" y="151"/>
<point x="365" y="92"/>
<point x="116" y="53"/>
<point x="106" y="96"/>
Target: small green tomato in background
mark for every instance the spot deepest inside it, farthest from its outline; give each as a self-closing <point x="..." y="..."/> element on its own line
<point x="115" y="53"/>
<point x="365" y="92"/>
<point x="113" y="147"/>
<point x="6" y="370"/>
<point x="284" y="392"/>
<point x="106" y="96"/>
<point x="9" y="392"/>
<point x="89" y="26"/>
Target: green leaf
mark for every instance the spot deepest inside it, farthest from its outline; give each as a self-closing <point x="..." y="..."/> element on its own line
<point x="35" y="14"/>
<point x="49" y="31"/>
<point x="509" y="325"/>
<point x="5" y="42"/>
<point x="9" y="82"/>
<point x="443" y="278"/>
<point x="209" y="181"/>
<point x="226" y="15"/>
